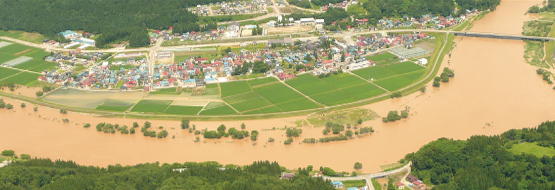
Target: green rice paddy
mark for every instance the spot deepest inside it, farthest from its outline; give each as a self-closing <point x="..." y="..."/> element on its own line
<point x="217" y="108"/>
<point x="381" y="57"/>
<point x="23" y="78"/>
<point x="183" y="110"/>
<point x="6" y="72"/>
<point x="156" y="106"/>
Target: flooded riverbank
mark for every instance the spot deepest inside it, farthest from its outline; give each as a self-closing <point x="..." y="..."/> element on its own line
<point x="493" y="90"/>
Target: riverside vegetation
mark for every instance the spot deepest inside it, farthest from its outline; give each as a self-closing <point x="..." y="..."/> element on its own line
<point x="48" y="174"/>
<point x="487" y="162"/>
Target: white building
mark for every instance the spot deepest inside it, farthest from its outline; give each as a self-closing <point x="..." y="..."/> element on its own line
<point x="320" y="21"/>
<point x="307" y="20"/>
<point x="422" y="61"/>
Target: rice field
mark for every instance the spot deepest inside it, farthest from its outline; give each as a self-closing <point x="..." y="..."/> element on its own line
<point x="151" y="106"/>
<point x="335" y="89"/>
<point x="6" y="72"/>
<point x="115" y="105"/>
<point x="23" y="78"/>
<point x="233" y="88"/>
<point x="183" y="110"/>
<point x="166" y="91"/>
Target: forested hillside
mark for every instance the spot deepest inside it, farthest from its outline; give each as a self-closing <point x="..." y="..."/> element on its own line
<point x="45" y="174"/>
<point x="115" y="19"/>
<point x="483" y="162"/>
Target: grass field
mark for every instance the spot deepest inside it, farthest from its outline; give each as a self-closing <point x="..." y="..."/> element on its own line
<point x="217" y="108"/>
<point x="165" y="91"/>
<point x="233" y="88"/>
<point x="183" y="110"/>
<point x="6" y="57"/>
<point x="354" y="183"/>
<point x="30" y="64"/>
<point x="25" y="36"/>
<point x="115" y="105"/>
<point x="376" y="73"/>
<point x="6" y="72"/>
<point x="256" y="82"/>
<point x="532" y="148"/>
<point x="380" y="57"/>
<point x="23" y="78"/>
<point x="157" y="106"/>
<point x="44" y="66"/>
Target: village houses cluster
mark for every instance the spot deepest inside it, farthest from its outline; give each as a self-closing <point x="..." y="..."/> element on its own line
<point x="231" y="8"/>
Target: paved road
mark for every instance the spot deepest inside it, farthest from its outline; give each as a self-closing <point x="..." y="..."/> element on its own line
<point x="368" y="177"/>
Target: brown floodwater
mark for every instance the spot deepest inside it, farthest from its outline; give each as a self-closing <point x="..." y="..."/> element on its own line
<point x="494" y="90"/>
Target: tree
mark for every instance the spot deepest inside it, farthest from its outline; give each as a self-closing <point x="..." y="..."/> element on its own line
<point x="35" y="109"/>
<point x="135" y="124"/>
<point x="349" y="133"/>
<point x="271" y="139"/>
<point x="9" y="106"/>
<point x="404" y="114"/>
<point x="336" y="129"/>
<point x="288" y="141"/>
<point x="358" y="166"/>
<point x="39" y="93"/>
<point x="132" y="130"/>
<point x="2" y="103"/>
<point x="254" y="135"/>
<point x="293" y="132"/>
<point x="63" y="111"/>
<point x="221" y="128"/>
<point x="309" y="168"/>
<point x="184" y="123"/>
<point x="8" y="153"/>
<point x="87" y="125"/>
<point x="359" y="121"/>
<point x="162" y="134"/>
<point x="342" y="57"/>
<point x="534" y="9"/>
<point x="147" y="124"/>
<point x="22" y="105"/>
<point x="243" y="126"/>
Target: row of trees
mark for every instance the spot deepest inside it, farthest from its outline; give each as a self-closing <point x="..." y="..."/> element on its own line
<point x="48" y="174"/>
<point x="484" y="162"/>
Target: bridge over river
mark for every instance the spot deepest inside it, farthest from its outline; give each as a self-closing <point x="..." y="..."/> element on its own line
<point x="502" y="36"/>
<point x="368" y="177"/>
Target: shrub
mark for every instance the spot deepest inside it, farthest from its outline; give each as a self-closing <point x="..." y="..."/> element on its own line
<point x="9" y="106"/>
<point x="39" y="93"/>
<point x="423" y="89"/>
<point x="99" y="126"/>
<point x="35" y="109"/>
<point x="2" y="103"/>
<point x="288" y="141"/>
<point x="8" y="153"/>
<point x="293" y="132"/>
<point x="63" y="111"/>
<point x="392" y="116"/>
<point x="359" y="121"/>
<point x="25" y="156"/>
<point x="132" y="130"/>
<point x="396" y="95"/>
<point x="271" y="139"/>
<point x="212" y="135"/>
<point x="364" y="130"/>
<point x="243" y="126"/>
<point x="309" y="140"/>
<point x="87" y="125"/>
<point x="135" y="124"/>
<point x="147" y="124"/>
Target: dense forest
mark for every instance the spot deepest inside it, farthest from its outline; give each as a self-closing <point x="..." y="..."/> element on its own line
<point x="378" y="9"/>
<point x="47" y="174"/>
<point x="114" y="19"/>
<point x="484" y="162"/>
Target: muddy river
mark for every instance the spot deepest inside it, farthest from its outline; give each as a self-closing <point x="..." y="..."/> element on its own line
<point x="494" y="90"/>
